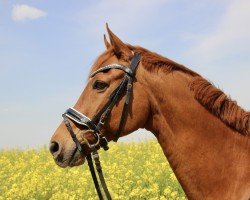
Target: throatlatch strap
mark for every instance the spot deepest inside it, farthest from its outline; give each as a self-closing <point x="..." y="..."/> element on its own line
<point x="125" y="110"/>
<point x="134" y="63"/>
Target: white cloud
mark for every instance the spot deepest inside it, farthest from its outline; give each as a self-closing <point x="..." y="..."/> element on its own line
<point x="25" y="12"/>
<point x="232" y="34"/>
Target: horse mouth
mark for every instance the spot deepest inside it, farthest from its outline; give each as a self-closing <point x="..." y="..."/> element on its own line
<point x="73" y="159"/>
<point x="76" y="159"/>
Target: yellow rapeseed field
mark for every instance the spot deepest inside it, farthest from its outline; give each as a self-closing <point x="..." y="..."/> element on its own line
<point x="132" y="171"/>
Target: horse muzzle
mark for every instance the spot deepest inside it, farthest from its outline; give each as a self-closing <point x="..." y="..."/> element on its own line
<point x="68" y="154"/>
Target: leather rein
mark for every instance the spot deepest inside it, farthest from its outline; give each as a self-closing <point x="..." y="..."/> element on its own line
<point x="96" y="123"/>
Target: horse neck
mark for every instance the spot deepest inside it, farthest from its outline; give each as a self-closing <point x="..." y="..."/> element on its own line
<point x="208" y="158"/>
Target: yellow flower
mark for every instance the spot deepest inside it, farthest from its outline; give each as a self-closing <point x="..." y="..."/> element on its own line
<point x="132" y="171"/>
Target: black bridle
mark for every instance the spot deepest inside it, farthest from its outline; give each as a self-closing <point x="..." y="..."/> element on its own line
<point x="96" y="123"/>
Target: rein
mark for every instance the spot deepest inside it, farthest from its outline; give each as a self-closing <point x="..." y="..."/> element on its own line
<point x="96" y="123"/>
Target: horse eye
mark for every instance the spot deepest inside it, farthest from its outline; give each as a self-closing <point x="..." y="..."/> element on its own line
<point x="100" y="85"/>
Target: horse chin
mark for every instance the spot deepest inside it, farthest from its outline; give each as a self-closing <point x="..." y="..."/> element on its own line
<point x="70" y="159"/>
<point x="76" y="160"/>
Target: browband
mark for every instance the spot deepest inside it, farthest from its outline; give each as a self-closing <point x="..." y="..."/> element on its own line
<point x="113" y="66"/>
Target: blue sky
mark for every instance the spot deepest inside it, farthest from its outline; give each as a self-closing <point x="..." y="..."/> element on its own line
<point x="47" y="48"/>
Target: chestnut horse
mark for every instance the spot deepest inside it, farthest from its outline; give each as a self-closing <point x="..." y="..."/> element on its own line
<point x="203" y="133"/>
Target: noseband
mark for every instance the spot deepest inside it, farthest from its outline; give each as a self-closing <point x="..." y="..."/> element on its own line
<point x="96" y="123"/>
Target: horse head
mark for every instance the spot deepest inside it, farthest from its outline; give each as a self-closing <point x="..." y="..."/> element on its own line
<point x="129" y="111"/>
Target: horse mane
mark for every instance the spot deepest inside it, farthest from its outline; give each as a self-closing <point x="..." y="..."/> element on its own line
<point x="218" y="103"/>
<point x="212" y="98"/>
<point x="154" y="62"/>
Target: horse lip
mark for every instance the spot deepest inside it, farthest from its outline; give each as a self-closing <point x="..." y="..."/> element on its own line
<point x="76" y="158"/>
<point x="72" y="156"/>
<point x="75" y="161"/>
<point x="67" y="161"/>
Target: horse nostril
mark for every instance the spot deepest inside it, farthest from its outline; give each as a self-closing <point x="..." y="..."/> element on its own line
<point x="54" y="147"/>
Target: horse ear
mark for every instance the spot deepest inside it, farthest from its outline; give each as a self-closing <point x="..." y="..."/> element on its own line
<point x="106" y="42"/>
<point x="121" y="49"/>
